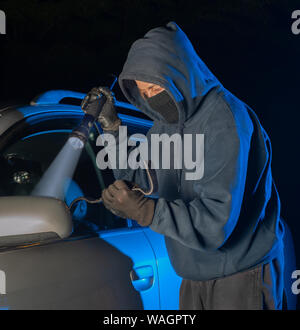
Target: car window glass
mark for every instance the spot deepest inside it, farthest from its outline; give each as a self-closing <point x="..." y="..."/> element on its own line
<point x="135" y="129"/>
<point x="27" y="155"/>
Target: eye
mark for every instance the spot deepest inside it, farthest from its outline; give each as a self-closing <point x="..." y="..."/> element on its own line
<point x="144" y="95"/>
<point x="158" y="88"/>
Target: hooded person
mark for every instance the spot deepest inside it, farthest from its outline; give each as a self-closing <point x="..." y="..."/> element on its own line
<point x="222" y="228"/>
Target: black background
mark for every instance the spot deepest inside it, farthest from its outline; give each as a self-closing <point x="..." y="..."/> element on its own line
<point x="247" y="44"/>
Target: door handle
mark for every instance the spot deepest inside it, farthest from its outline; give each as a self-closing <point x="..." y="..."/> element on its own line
<point x="142" y="277"/>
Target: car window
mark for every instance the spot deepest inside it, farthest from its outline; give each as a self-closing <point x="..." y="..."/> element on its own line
<point x="135" y="129"/>
<point x="29" y="151"/>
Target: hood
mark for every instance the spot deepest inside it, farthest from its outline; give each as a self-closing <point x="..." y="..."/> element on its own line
<point x="166" y="57"/>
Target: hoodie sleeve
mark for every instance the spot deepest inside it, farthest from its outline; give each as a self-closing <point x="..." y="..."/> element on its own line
<point x="206" y="222"/>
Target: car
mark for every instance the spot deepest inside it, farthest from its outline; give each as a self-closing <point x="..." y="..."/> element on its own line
<point x="84" y="258"/>
<point x="96" y="260"/>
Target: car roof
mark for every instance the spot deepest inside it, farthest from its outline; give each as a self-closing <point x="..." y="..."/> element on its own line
<point x="49" y="102"/>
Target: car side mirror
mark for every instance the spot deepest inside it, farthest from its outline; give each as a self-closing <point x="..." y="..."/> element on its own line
<point x="30" y="219"/>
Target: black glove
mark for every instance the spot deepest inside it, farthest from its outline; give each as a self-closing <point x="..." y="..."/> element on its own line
<point x="126" y="203"/>
<point x="108" y="117"/>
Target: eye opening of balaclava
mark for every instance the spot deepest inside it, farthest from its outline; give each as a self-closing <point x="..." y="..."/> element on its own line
<point x="161" y="102"/>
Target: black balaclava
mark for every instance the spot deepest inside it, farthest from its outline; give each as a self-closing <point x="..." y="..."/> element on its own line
<point x="163" y="104"/>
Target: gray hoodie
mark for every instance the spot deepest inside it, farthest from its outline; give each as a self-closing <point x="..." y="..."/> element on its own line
<point x="229" y="219"/>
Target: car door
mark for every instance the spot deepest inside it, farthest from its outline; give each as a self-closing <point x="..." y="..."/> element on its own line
<point x="168" y="279"/>
<point x="105" y="264"/>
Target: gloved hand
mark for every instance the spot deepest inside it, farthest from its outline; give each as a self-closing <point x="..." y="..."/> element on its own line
<point x="127" y="203"/>
<point x="108" y="116"/>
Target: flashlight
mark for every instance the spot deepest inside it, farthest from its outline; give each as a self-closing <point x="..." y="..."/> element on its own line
<point x="80" y="134"/>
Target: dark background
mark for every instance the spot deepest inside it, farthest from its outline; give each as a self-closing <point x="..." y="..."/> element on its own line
<point x="248" y="45"/>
